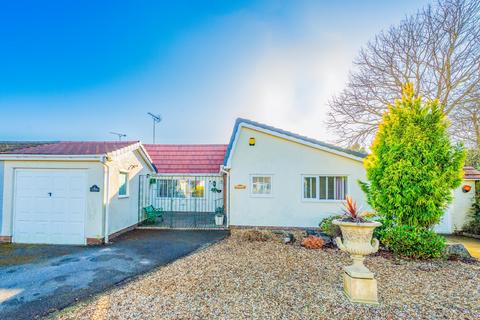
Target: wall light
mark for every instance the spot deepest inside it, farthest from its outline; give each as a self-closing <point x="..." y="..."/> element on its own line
<point x="466" y="188"/>
<point x="251" y="141"/>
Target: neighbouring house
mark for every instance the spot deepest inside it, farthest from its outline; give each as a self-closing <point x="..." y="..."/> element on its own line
<point x="88" y="192"/>
<point x="71" y="192"/>
<point x="457" y="214"/>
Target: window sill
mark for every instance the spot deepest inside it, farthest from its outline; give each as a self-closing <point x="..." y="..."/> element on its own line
<point x="261" y="195"/>
<point x="322" y="201"/>
<point x="123" y="197"/>
<point x="186" y="198"/>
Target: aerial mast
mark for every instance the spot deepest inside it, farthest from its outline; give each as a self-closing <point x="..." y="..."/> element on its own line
<point x="119" y="135"/>
<point x="156" y="119"/>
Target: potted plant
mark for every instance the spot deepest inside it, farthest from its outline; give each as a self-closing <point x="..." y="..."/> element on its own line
<point x="219" y="216"/>
<point x="357" y="235"/>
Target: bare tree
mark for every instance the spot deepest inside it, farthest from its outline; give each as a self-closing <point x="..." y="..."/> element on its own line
<point x="467" y="125"/>
<point x="438" y="50"/>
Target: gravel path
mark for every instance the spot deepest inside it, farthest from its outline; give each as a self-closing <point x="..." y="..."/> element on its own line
<point x="238" y="279"/>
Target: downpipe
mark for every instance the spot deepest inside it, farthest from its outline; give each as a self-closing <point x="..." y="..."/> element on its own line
<point x="107" y="200"/>
<point x="226" y="171"/>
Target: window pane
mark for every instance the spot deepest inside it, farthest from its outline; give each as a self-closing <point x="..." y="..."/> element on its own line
<point x="123" y="180"/>
<point x="172" y="188"/>
<point x="306" y="187"/>
<point x="198" y="188"/>
<point x="339" y="188"/>
<point x="331" y="188"/>
<point x="165" y="188"/>
<point x="310" y="187"/>
<point x="261" y="185"/>
<point x="323" y="188"/>
<point x="180" y="188"/>
<point x="162" y="188"/>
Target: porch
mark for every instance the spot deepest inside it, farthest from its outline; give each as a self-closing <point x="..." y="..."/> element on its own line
<point x="170" y="201"/>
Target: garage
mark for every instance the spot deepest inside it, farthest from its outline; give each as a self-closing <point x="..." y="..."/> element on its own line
<point x="71" y="192"/>
<point x="49" y="206"/>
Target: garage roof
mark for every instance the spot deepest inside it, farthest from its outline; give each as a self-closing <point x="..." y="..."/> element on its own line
<point x="187" y="158"/>
<point x="470" y="173"/>
<point x="74" y="148"/>
<point x="6" y="146"/>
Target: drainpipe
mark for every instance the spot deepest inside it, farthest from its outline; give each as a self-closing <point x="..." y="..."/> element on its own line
<point x="107" y="200"/>
<point x="226" y="171"/>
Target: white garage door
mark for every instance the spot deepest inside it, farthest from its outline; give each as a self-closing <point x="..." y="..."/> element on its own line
<point x="50" y="206"/>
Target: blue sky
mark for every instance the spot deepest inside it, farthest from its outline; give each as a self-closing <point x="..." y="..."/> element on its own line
<point x="76" y="70"/>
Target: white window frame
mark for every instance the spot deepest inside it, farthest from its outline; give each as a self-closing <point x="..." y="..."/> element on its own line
<point x="316" y="186"/>
<point x="127" y="191"/>
<point x="256" y="195"/>
<point x="317" y="176"/>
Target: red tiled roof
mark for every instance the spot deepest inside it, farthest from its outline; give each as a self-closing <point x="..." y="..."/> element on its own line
<point x="470" y="173"/>
<point x="75" y="148"/>
<point x="9" y="146"/>
<point x="187" y="158"/>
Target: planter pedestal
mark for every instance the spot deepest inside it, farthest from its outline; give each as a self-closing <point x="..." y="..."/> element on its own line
<point x="359" y="283"/>
<point x="360" y="290"/>
<point x="358" y="269"/>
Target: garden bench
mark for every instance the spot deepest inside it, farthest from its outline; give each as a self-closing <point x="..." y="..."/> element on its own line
<point x="153" y="214"/>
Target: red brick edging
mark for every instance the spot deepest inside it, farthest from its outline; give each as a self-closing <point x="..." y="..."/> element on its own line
<point x="5" y="239"/>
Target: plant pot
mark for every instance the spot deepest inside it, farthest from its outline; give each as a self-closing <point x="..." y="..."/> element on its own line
<point x="219" y="219"/>
<point x="358" y="242"/>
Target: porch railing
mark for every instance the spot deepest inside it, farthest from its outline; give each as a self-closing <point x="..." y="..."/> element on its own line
<point x="185" y="201"/>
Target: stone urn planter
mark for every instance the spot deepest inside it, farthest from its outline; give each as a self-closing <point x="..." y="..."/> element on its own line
<point x="359" y="283"/>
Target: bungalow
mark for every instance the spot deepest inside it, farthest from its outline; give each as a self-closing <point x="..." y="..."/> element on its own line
<point x="71" y="192"/>
<point x="281" y="179"/>
<point x="89" y="192"/>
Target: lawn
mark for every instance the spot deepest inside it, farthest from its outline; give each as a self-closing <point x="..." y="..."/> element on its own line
<point x="238" y="279"/>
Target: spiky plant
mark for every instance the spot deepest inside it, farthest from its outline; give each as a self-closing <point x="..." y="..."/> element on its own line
<point x="351" y="211"/>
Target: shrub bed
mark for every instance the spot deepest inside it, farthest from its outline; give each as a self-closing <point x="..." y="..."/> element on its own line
<point x="327" y="226"/>
<point x="411" y="242"/>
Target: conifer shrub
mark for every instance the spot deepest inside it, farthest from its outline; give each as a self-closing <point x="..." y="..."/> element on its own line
<point x="413" y="166"/>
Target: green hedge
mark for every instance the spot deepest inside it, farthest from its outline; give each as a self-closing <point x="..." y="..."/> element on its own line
<point x="411" y="242"/>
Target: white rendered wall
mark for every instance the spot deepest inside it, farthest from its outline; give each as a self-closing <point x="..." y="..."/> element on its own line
<point x="286" y="161"/>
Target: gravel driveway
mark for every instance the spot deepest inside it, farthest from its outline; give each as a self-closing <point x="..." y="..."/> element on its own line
<point x="237" y="279"/>
<point x="56" y="276"/>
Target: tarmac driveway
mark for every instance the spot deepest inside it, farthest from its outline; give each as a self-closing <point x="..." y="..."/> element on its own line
<point x="38" y="279"/>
